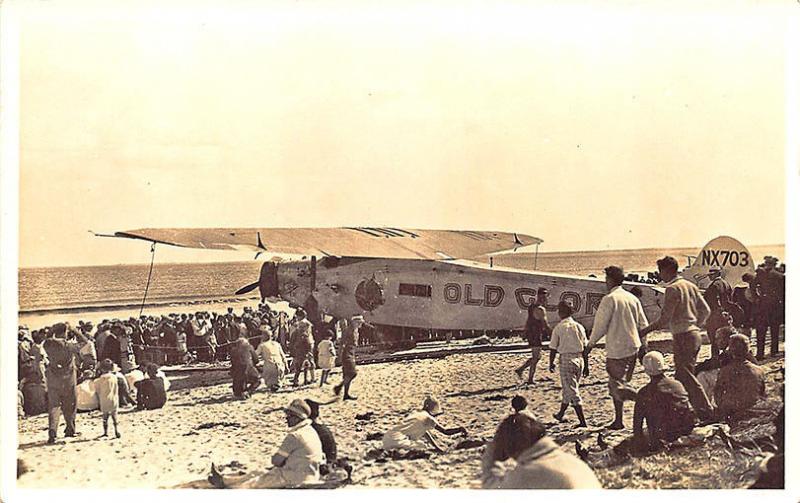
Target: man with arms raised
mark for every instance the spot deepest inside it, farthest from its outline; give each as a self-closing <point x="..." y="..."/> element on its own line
<point x="619" y="318"/>
<point x="683" y="313"/>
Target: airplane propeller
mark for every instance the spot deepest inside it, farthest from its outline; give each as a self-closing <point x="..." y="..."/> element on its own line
<point x="247" y="289"/>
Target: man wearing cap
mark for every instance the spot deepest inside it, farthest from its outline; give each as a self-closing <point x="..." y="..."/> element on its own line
<point x="769" y="305"/>
<point x="61" y="377"/>
<point x="663" y="403"/>
<point x="348" y="349"/>
<point x="683" y="313"/>
<point x="619" y="318"/>
<point x="718" y="297"/>
<point x="740" y="384"/>
<point x="413" y="432"/>
<point x="296" y="462"/>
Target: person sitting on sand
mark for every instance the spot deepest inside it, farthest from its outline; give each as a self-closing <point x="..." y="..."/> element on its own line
<point x="34" y="392"/>
<point x="414" y="431"/>
<point x="326" y="355"/>
<point x="569" y="341"/>
<point x="521" y="456"/>
<point x="708" y="371"/>
<point x="519" y="405"/>
<point x="86" y="393"/>
<point x="107" y="386"/>
<point x="740" y="384"/>
<point x="328" y="442"/>
<point x="275" y="365"/>
<point x="243" y="368"/>
<point x="151" y="392"/>
<point x="663" y="404"/>
<point x="296" y="462"/>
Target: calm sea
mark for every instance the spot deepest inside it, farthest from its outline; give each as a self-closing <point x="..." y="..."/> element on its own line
<point x="76" y="288"/>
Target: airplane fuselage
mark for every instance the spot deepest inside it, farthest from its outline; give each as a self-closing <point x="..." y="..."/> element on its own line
<point x="443" y="295"/>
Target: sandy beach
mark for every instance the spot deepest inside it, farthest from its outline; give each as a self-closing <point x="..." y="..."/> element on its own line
<point x="202" y="423"/>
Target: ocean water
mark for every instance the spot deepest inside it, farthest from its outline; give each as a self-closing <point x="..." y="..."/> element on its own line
<point x="72" y="289"/>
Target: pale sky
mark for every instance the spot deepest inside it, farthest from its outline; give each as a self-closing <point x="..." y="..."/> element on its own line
<point x="591" y="125"/>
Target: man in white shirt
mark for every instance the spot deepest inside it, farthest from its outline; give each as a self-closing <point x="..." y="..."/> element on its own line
<point x="275" y="364"/>
<point x="619" y="318"/>
<point x="569" y="341"/>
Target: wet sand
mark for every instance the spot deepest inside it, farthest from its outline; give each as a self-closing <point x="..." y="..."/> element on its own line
<point x="202" y="423"/>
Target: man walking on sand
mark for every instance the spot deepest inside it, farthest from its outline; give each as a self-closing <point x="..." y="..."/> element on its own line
<point x="348" y="350"/>
<point x="619" y="318"/>
<point x="683" y="313"/>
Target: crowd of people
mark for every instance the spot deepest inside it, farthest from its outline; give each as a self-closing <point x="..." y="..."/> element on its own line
<point x="84" y="369"/>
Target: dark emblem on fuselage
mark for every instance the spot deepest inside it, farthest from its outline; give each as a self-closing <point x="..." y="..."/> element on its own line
<point x="369" y="294"/>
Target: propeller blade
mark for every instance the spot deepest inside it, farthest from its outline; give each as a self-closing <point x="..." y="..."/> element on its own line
<point x="247" y="289"/>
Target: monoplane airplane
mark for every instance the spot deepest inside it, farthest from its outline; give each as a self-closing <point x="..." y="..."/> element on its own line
<point x="402" y="278"/>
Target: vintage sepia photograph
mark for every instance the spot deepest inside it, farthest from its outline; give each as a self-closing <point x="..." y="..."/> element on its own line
<point x="399" y="244"/>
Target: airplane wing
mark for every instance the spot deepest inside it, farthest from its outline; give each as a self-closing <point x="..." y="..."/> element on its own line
<point x="365" y="242"/>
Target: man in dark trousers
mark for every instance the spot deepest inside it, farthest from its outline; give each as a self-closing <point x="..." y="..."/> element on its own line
<point x="61" y="377"/>
<point x="769" y="306"/>
<point x="243" y="368"/>
<point x="718" y="297"/>
<point x="348" y="352"/>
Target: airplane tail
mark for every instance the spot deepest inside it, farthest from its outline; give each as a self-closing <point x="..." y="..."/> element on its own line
<point x="724" y="253"/>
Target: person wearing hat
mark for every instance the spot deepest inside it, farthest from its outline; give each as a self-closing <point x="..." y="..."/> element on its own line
<point x="296" y="463"/>
<point x="60" y="374"/>
<point x="522" y="456"/>
<point x="683" y="312"/>
<point x="414" y="431"/>
<point x="663" y="404"/>
<point x="350" y="336"/>
<point x="619" y="318"/>
<point x="769" y="306"/>
<point x="718" y="296"/>
<point x="740" y="384"/>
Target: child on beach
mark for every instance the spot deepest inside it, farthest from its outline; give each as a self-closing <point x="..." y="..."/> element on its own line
<point x="569" y="341"/>
<point x="107" y="388"/>
<point x="414" y="432"/>
<point x="326" y="355"/>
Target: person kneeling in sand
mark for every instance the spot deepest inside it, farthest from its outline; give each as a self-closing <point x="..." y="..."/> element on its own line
<point x="521" y="457"/>
<point x="295" y="464"/>
<point x="414" y="432"/>
<point x="664" y="404"/>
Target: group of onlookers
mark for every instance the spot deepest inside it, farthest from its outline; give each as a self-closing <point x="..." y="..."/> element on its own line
<point x="58" y="376"/>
